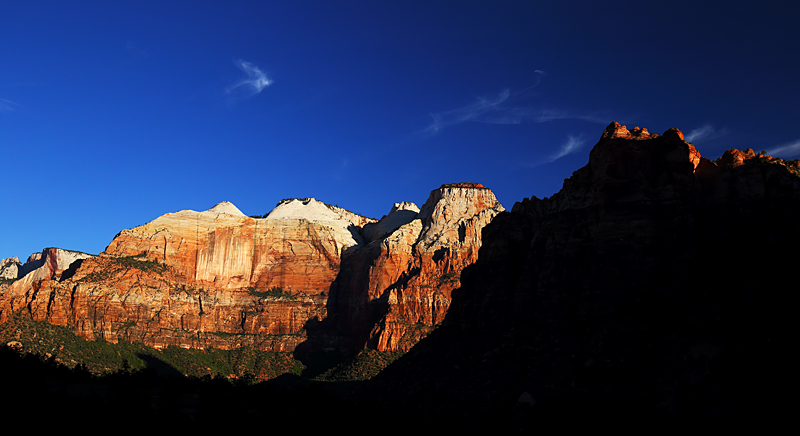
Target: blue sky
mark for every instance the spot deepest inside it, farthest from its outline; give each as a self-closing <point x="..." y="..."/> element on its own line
<point x="114" y="113"/>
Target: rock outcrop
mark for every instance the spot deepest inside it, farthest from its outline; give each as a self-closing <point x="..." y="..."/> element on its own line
<point x="41" y="270"/>
<point x="221" y="279"/>
<point x="297" y="247"/>
<point x="49" y="264"/>
<point x="394" y="290"/>
<point x="651" y="290"/>
<point x="9" y="268"/>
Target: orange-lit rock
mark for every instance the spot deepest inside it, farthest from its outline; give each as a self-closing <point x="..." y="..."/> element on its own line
<point x="735" y="158"/>
<point x="297" y="247"/>
<point x="393" y="291"/>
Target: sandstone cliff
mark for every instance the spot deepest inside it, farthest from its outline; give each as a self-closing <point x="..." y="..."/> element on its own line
<point x="651" y="290"/>
<point x="221" y="279"/>
<point x="394" y="290"/>
<point x="50" y="264"/>
<point x="9" y="268"/>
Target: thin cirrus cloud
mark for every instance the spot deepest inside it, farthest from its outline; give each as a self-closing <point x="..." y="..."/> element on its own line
<point x="790" y="149"/>
<point x="255" y="82"/>
<point x="504" y="108"/>
<point x="484" y="110"/>
<point x="573" y="144"/>
<point x="6" y="105"/>
<point x="706" y="132"/>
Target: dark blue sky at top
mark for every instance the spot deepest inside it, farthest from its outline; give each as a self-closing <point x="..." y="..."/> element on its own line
<point x="114" y="113"/>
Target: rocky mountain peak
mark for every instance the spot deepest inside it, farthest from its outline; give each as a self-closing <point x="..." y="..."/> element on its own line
<point x="402" y="213"/>
<point x="314" y="210"/>
<point x="51" y="263"/>
<point x="615" y="130"/>
<point x="303" y="208"/>
<point x="404" y="205"/>
<point x="453" y="203"/>
<point x="735" y="158"/>
<point x="226" y="207"/>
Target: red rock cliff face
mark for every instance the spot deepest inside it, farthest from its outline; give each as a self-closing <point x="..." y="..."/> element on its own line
<point x="231" y="251"/>
<point x="221" y="279"/>
<point x="51" y="265"/>
<point x="450" y="237"/>
<point x="393" y="291"/>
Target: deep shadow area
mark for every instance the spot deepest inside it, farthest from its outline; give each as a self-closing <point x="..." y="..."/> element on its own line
<point x="52" y="395"/>
<point x="350" y="314"/>
<point x="158" y="367"/>
<point x="663" y="305"/>
<point x="71" y="270"/>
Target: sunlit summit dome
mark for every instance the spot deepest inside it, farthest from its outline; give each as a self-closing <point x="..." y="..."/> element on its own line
<point x="226" y="207"/>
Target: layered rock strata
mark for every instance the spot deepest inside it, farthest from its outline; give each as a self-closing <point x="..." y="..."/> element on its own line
<point x="221" y="279"/>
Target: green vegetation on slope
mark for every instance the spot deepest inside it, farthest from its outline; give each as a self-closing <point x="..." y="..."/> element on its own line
<point x="364" y="366"/>
<point x="61" y="345"/>
<point x="117" y="264"/>
<point x="274" y="292"/>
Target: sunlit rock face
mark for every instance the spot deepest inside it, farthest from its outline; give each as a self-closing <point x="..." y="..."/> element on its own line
<point x="393" y="291"/>
<point x="50" y="264"/>
<point x="9" y="268"/>
<point x="42" y="269"/>
<point x="220" y="279"/>
<point x="296" y="247"/>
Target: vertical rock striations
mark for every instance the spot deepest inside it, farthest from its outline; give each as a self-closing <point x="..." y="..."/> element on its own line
<point x="296" y="247"/>
<point x="393" y="291"/>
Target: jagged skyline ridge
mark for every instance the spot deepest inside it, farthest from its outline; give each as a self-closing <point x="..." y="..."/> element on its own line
<point x="113" y="114"/>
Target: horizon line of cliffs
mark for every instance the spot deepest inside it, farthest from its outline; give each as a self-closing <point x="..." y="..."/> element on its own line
<point x="307" y="274"/>
<point x="310" y="276"/>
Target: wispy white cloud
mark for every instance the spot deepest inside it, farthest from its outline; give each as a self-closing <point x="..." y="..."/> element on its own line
<point x="706" y="132"/>
<point x="484" y="110"/>
<point x="572" y="144"/>
<point x="255" y="82"/>
<point x="545" y="115"/>
<point x="506" y="107"/>
<point x="7" y="105"/>
<point x="539" y="74"/>
<point x="791" y="149"/>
